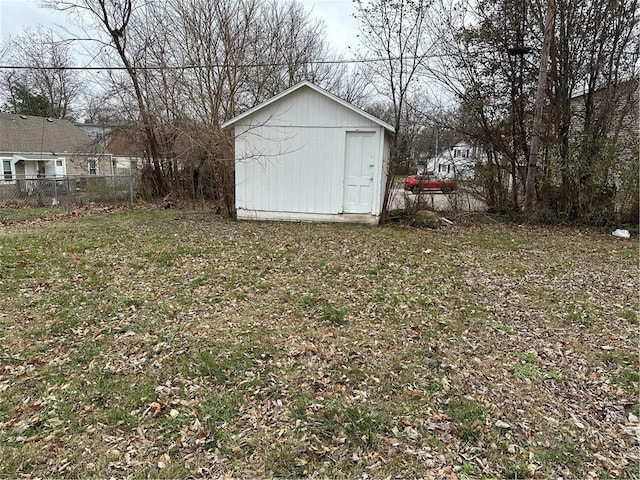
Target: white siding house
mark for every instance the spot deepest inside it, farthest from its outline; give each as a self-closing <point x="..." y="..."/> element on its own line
<point x="459" y="162"/>
<point x="307" y="155"/>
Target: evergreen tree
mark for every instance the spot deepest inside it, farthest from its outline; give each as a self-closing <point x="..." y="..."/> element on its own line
<point x="24" y="102"/>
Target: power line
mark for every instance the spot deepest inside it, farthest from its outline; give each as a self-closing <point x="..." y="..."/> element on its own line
<point x="240" y="65"/>
<point x="217" y="65"/>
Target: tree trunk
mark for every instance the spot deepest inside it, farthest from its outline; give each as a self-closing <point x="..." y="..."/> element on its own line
<point x="534" y="156"/>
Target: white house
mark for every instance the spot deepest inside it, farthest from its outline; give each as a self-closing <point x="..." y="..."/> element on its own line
<point x="458" y="162"/>
<point x="307" y="155"/>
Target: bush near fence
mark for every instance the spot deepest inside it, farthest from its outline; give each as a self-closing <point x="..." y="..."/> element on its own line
<point x="69" y="190"/>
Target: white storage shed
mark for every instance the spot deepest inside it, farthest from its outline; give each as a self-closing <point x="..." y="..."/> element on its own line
<point x="307" y="155"/>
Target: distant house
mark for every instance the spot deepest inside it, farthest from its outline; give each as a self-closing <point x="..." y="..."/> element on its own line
<point x="38" y="147"/>
<point x="127" y="147"/>
<point x="307" y="155"/>
<point x="459" y="161"/>
<point x="619" y="104"/>
<point x="125" y="143"/>
<point x="98" y="132"/>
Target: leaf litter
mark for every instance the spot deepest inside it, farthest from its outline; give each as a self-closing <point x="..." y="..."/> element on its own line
<point x="172" y="344"/>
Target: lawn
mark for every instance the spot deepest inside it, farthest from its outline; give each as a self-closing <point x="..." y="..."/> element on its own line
<point x="13" y="215"/>
<point x="172" y="344"/>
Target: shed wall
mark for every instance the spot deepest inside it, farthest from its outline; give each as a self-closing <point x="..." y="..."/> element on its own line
<point x="290" y="157"/>
<point x="294" y="169"/>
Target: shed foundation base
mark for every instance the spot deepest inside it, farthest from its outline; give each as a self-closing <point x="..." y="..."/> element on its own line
<point x="365" y="218"/>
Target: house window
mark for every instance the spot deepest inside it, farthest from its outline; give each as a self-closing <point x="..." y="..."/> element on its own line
<point x="6" y="170"/>
<point x="92" y="166"/>
<point x="448" y="168"/>
<point x="58" y="163"/>
<point x="439" y="167"/>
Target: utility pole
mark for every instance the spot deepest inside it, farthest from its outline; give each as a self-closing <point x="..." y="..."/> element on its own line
<point x="534" y="156"/>
<point x="519" y="52"/>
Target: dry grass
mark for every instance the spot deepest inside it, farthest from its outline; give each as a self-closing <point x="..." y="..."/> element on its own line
<point x="171" y="344"/>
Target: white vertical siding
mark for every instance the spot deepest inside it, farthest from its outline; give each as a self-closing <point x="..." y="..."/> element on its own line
<point x="307" y="108"/>
<point x="290" y="156"/>
<point x="301" y="171"/>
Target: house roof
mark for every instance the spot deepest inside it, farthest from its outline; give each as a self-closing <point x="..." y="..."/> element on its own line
<point x="625" y="86"/>
<point x="127" y="142"/>
<point x="29" y="134"/>
<point x="298" y="86"/>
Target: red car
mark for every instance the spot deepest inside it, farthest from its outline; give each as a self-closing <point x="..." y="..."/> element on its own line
<point x="419" y="183"/>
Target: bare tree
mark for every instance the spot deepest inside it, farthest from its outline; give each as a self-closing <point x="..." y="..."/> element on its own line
<point x="396" y="34"/>
<point x="585" y="109"/>
<point x="49" y="77"/>
<point x="201" y="64"/>
<point x="352" y="86"/>
<point x="113" y="17"/>
<point x="241" y="53"/>
<point x="482" y="60"/>
<point x="215" y="38"/>
<point x="593" y="101"/>
<point x="289" y="46"/>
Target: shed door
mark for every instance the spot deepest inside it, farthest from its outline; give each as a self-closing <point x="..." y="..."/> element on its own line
<point x="360" y="155"/>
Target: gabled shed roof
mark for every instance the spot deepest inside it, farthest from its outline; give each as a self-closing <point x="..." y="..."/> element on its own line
<point x="298" y="86"/>
<point x="29" y="134"/>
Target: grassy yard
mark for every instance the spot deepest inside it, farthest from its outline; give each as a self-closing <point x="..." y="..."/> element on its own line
<point x="12" y="215"/>
<point x="172" y="344"/>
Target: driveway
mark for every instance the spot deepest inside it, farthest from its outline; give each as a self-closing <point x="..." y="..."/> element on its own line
<point x="436" y="200"/>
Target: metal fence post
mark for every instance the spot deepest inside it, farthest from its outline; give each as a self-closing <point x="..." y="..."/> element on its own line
<point x="131" y="187"/>
<point x="68" y="197"/>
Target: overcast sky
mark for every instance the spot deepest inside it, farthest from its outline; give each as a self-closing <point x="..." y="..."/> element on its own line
<point x="15" y="15"/>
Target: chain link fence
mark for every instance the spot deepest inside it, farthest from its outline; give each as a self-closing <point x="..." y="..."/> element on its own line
<point x="68" y="191"/>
